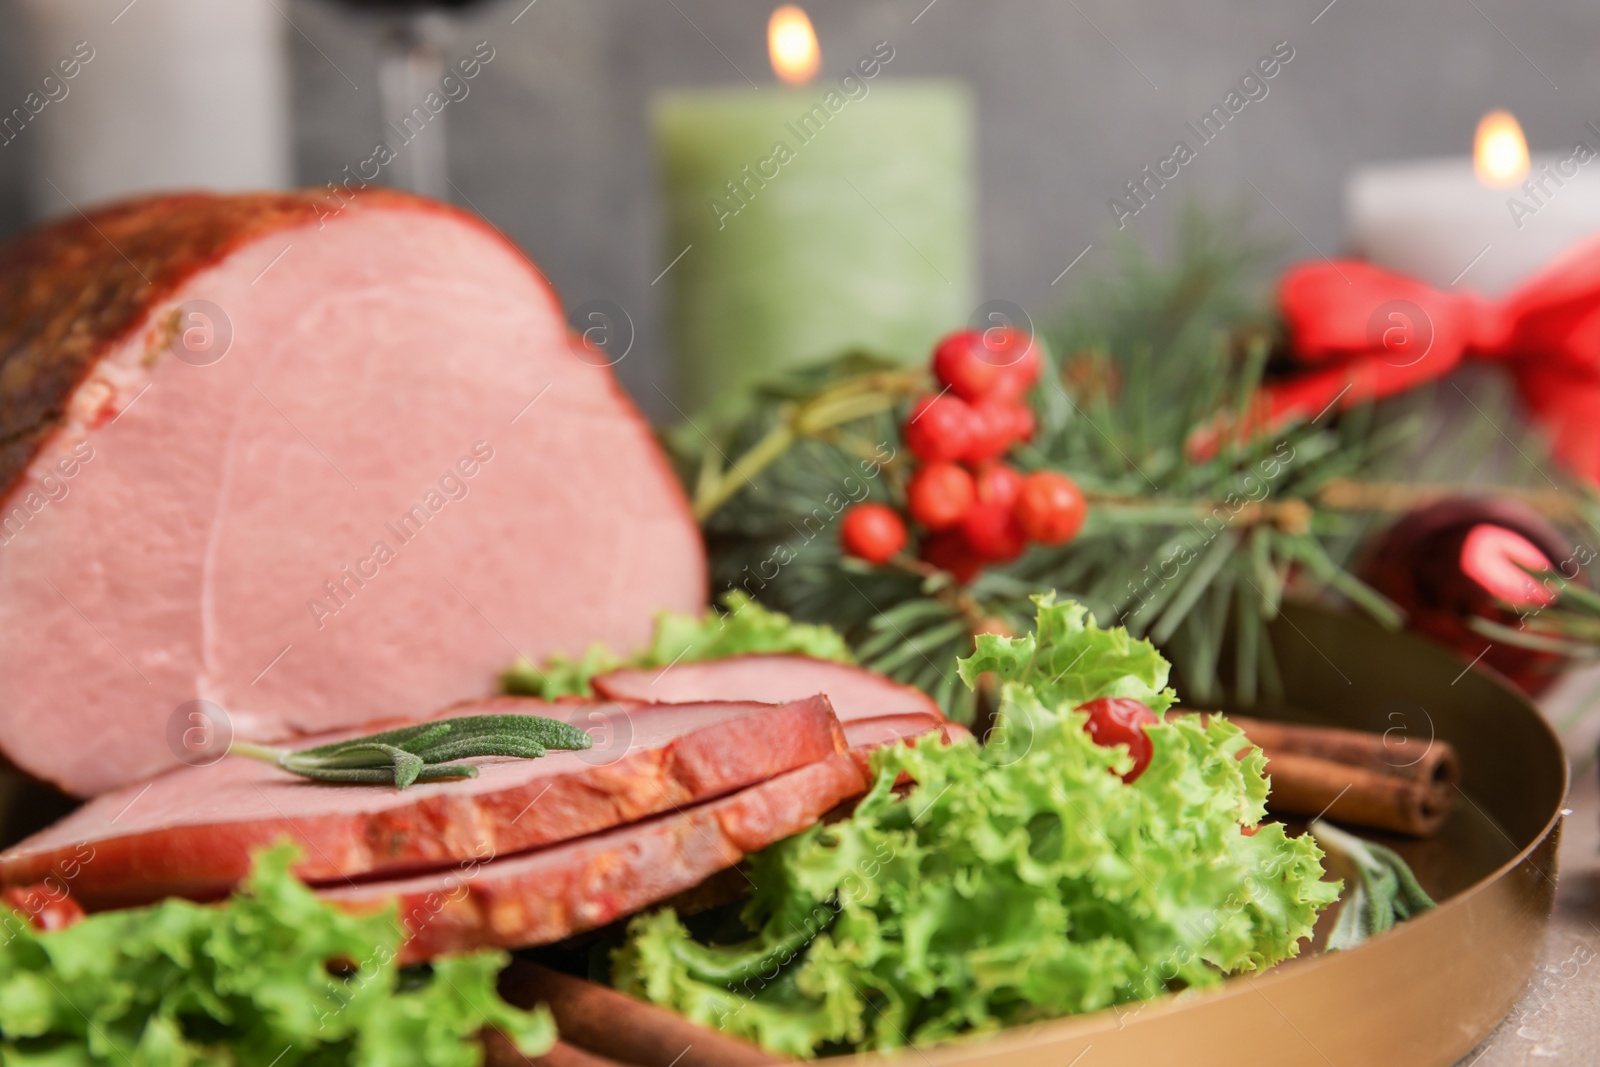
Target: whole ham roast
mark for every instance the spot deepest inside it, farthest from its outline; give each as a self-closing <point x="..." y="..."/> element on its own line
<point x="315" y="465"/>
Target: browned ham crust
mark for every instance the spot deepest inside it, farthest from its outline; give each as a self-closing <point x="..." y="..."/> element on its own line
<point x="69" y="290"/>
<point x="545" y="896"/>
<point x="191" y="832"/>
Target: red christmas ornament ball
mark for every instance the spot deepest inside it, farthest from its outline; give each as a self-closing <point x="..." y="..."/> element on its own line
<point x="1499" y="559"/>
<point x="1452" y="561"/>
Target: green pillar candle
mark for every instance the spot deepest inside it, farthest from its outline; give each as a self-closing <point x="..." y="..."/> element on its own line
<point x="810" y="221"/>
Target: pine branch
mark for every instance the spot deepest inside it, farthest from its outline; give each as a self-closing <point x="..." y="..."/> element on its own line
<point x="1199" y="554"/>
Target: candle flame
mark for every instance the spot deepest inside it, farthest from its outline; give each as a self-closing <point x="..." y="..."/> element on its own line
<point x="793" y="45"/>
<point x="1500" y="152"/>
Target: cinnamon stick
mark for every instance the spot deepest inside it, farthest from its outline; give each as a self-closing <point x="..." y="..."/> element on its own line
<point x="1364" y="779"/>
<point x="1431" y="761"/>
<point x="606" y="1023"/>
<point x="1358" y="796"/>
<point x="500" y="1052"/>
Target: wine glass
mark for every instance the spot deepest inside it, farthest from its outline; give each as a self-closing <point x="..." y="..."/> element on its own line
<point x="410" y="65"/>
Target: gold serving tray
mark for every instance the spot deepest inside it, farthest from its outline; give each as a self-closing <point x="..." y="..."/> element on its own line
<point x="1427" y="991"/>
<point x="1424" y="993"/>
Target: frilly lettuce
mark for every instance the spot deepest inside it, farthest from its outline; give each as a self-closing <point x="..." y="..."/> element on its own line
<point x="1068" y="660"/>
<point x="245" y="984"/>
<point x="1013" y="883"/>
<point x="745" y="627"/>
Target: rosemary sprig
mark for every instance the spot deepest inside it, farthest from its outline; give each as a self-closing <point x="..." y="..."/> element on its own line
<point x="425" y="752"/>
<point x="1386" y="892"/>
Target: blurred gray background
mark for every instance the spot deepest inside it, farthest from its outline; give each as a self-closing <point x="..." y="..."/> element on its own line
<point x="1074" y="98"/>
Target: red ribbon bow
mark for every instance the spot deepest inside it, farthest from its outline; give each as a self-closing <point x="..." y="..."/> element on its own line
<point x="1370" y="333"/>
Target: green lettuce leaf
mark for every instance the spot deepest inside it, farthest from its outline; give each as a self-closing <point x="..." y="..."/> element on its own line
<point x="1015" y="882"/>
<point x="744" y="628"/>
<point x="1068" y="660"/>
<point x="273" y="976"/>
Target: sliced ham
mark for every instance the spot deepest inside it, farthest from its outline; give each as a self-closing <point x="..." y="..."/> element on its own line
<point x="854" y="692"/>
<point x="864" y="736"/>
<point x="553" y="893"/>
<point x="315" y="461"/>
<point x="954" y="731"/>
<point x="191" y="832"/>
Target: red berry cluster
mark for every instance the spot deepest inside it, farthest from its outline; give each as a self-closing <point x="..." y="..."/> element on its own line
<point x="972" y="507"/>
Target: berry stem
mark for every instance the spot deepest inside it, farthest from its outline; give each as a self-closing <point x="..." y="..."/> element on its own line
<point x="1291" y="516"/>
<point x="720" y="487"/>
<point x="854" y="398"/>
<point x="949" y="592"/>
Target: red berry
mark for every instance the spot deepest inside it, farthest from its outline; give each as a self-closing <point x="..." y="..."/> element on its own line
<point x="993" y="431"/>
<point x="873" y="532"/>
<point x="1121" y="721"/>
<point x="939" y="428"/>
<point x="1022" y="422"/>
<point x="993" y="532"/>
<point x="45" y="911"/>
<point x="999" y="484"/>
<point x="1017" y="354"/>
<point x="949" y="551"/>
<point x="1050" y="507"/>
<point x="999" y="362"/>
<point x="962" y="363"/>
<point x="940" y="495"/>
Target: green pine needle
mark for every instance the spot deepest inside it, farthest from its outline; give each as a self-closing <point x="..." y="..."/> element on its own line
<point x="1198" y="553"/>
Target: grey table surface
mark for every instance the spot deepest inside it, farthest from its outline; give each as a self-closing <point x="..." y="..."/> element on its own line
<point x="1557" y="1021"/>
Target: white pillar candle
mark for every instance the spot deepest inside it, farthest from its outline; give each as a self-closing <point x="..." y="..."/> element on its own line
<point x="173" y="94"/>
<point x="1436" y="221"/>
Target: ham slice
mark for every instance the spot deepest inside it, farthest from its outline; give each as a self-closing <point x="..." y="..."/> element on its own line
<point x="854" y="692"/>
<point x="191" y="832"/>
<point x="865" y="735"/>
<point x="316" y="463"/>
<point x="551" y="894"/>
